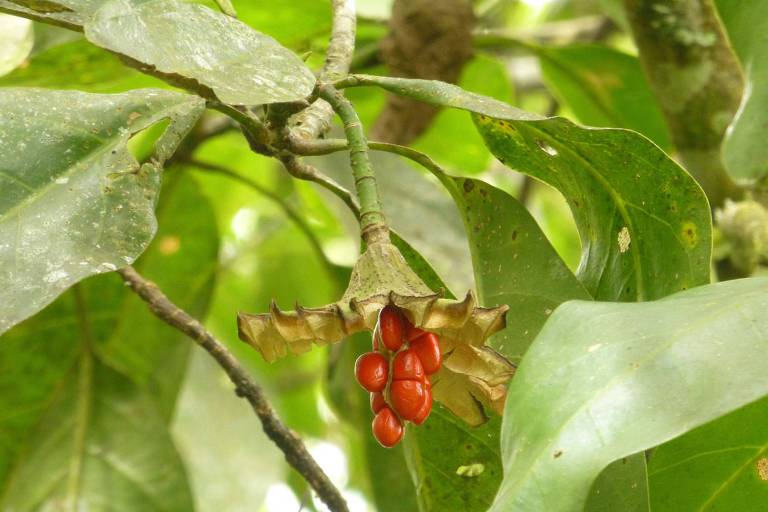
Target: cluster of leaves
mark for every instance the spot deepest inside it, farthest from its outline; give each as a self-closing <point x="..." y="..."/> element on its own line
<point x="89" y="382"/>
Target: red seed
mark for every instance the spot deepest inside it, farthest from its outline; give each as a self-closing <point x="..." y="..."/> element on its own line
<point x="407" y="366"/>
<point x="377" y="402"/>
<point x="387" y="428"/>
<point x="427" y="348"/>
<point x="392" y="327"/>
<point x="426" y="408"/>
<point x="412" y="332"/>
<point x="371" y="371"/>
<point x="407" y="397"/>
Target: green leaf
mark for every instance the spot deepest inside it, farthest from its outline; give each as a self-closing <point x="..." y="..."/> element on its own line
<point x="606" y="380"/>
<point x="192" y="44"/>
<point x="722" y="465"/>
<point x="439" y="449"/>
<point x="78" y="65"/>
<point x="604" y="87"/>
<point x="75" y="201"/>
<point x="513" y="262"/>
<point x="102" y="445"/>
<point x="447" y="140"/>
<point x="623" y="485"/>
<point x="645" y="224"/>
<point x="16" y="40"/>
<point x="124" y="422"/>
<point x="744" y="151"/>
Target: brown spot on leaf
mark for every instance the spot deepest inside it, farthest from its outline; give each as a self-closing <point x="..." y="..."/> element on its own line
<point x="557" y="454"/>
<point x="762" y="469"/>
<point x="468" y="186"/>
<point x="689" y="233"/>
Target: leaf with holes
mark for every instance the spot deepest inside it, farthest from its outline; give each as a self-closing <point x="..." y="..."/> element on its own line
<point x="75" y="201"/>
<point x="606" y="380"/>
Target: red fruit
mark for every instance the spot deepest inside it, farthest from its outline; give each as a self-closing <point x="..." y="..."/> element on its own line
<point x="427" y="348"/>
<point x="377" y="402"/>
<point x="387" y="429"/>
<point x="407" y="397"/>
<point x="371" y="371"/>
<point x="392" y="327"/>
<point x="426" y="408"/>
<point x="412" y="332"/>
<point x="407" y="366"/>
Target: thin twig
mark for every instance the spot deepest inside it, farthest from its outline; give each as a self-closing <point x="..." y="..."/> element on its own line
<point x="291" y="445"/>
<point x="316" y="120"/>
<point x="303" y="171"/>
<point x="287" y="209"/>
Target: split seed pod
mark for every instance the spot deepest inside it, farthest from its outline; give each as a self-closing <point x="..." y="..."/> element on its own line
<point x="472" y="377"/>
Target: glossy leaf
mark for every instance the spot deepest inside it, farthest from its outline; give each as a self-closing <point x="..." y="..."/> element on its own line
<point x="75" y="201"/>
<point x="192" y="44"/>
<point x="603" y="87"/>
<point x="639" y="214"/>
<point x="606" y="380"/>
<point x="744" y="151"/>
<point x="722" y="465"/>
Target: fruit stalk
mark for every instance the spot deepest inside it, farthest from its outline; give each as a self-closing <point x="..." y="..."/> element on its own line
<point x="373" y="225"/>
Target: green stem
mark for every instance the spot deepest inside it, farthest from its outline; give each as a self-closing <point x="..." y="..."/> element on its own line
<point x="373" y="225"/>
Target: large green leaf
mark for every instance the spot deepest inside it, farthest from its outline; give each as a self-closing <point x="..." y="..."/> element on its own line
<point x="192" y="44"/>
<point x="75" y="201"/>
<point x="722" y="465"/>
<point x="513" y="262"/>
<point x="101" y="445"/>
<point x="744" y="151"/>
<point x="606" y="380"/>
<point x="603" y="87"/>
<point x="645" y="224"/>
<point x="58" y="377"/>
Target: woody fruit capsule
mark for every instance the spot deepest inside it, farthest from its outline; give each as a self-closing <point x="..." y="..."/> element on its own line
<point x="396" y="373"/>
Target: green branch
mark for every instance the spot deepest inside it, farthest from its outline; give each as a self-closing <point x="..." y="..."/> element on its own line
<point x="373" y="225"/>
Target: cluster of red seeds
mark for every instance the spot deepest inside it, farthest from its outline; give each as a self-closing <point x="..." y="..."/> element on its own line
<point x="397" y="374"/>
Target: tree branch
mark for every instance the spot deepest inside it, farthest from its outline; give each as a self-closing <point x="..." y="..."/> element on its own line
<point x="316" y="120"/>
<point x="696" y="79"/>
<point x="291" y="445"/>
